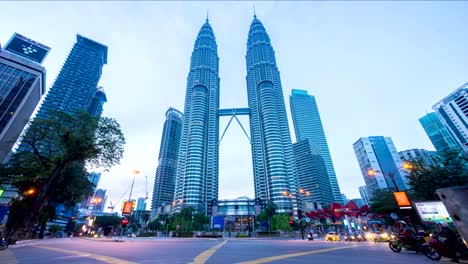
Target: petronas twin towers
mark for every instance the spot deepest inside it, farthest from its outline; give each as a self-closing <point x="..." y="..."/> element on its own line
<point x="272" y="155"/>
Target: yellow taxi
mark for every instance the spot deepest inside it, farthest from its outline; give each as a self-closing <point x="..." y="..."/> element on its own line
<point x="332" y="236"/>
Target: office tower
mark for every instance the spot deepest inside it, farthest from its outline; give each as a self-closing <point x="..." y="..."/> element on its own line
<point x="418" y="155"/>
<point x="95" y="107"/>
<point x="164" y="182"/>
<point x="344" y="199"/>
<point x="308" y="125"/>
<point x="141" y="204"/>
<point x="94" y="177"/>
<point x="22" y="84"/>
<point x="380" y="155"/>
<point x="437" y="133"/>
<point x="197" y="172"/>
<point x="98" y="201"/>
<point x="272" y="154"/>
<point x="453" y="112"/>
<point x="364" y="195"/>
<point x="76" y="85"/>
<point x="311" y="173"/>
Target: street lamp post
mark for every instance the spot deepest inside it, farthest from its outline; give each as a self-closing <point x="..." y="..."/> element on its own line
<point x="371" y="172"/>
<point x="297" y="195"/>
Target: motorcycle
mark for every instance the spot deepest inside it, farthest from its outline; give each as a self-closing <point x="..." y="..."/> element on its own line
<point x="3" y="243"/>
<point x="397" y="243"/>
<point x="435" y="249"/>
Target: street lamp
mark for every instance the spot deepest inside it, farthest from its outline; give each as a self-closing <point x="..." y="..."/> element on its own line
<point x="406" y="165"/>
<point x="298" y="194"/>
<point x="30" y="191"/>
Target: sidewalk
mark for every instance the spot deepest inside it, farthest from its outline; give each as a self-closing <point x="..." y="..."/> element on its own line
<point x="35" y="242"/>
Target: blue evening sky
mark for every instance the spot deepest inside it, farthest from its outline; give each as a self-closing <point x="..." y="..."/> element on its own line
<point x="374" y="67"/>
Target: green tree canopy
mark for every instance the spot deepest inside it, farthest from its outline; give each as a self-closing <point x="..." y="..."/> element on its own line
<point x="450" y="169"/>
<point x="49" y="168"/>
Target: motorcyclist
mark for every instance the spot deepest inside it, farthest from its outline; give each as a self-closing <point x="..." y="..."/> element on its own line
<point x="407" y="233"/>
<point x="451" y="241"/>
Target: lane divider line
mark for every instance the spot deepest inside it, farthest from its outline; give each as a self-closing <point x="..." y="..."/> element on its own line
<point x="101" y="258"/>
<point x="205" y="255"/>
<point x="274" y="258"/>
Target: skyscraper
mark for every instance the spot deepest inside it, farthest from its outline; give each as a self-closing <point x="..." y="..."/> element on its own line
<point x="364" y="195"/>
<point x="197" y="172"/>
<point x="380" y="155"/>
<point x="76" y="85"/>
<point x="94" y="177"/>
<point x="418" y="155"/>
<point x="437" y="133"/>
<point x="453" y="112"/>
<point x="308" y="125"/>
<point x="272" y="154"/>
<point x="311" y="173"/>
<point x="22" y="84"/>
<point x="164" y="182"/>
<point x="96" y="105"/>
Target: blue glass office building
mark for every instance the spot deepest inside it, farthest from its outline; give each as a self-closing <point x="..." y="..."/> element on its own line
<point x="311" y="173"/>
<point x="272" y="153"/>
<point x="308" y="125"/>
<point x="164" y="182"/>
<point x="76" y="85"/>
<point x="380" y="155"/>
<point x="197" y="172"/>
<point x="437" y="133"/>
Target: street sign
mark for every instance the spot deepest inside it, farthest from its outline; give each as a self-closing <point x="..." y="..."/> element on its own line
<point x="217" y="222"/>
<point x="127" y="208"/>
<point x="307" y="219"/>
<point x="394" y="216"/>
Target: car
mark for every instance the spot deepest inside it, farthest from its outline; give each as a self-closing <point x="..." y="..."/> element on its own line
<point x="332" y="236"/>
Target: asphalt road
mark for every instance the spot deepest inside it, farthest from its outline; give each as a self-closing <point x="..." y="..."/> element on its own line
<point x="198" y="251"/>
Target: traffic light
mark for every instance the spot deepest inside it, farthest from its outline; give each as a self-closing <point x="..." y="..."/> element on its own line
<point x="124" y="222"/>
<point x="299" y="213"/>
<point x="291" y="223"/>
<point x="291" y="220"/>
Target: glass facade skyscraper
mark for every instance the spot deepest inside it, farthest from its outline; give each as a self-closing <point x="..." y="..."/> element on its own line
<point x="380" y="155"/>
<point x="311" y="173"/>
<point x="164" y="182"/>
<point x="453" y="113"/>
<point x="272" y="154"/>
<point x="76" y="85"/>
<point x="22" y="84"/>
<point x="197" y="172"/>
<point x="437" y="133"/>
<point x="308" y="125"/>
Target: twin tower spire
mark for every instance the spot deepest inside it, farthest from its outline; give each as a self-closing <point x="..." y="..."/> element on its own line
<point x="196" y="183"/>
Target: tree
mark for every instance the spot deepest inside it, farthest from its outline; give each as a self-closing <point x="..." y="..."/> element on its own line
<point x="383" y="202"/>
<point x="267" y="214"/>
<point x="281" y="222"/>
<point x="449" y="169"/>
<point x="50" y="167"/>
<point x="154" y="225"/>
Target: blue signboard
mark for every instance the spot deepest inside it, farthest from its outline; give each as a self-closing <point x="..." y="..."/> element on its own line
<point x="217" y="222"/>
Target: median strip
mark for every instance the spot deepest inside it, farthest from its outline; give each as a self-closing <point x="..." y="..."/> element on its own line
<point x="205" y="255"/>
<point x="101" y="258"/>
<point x="293" y="255"/>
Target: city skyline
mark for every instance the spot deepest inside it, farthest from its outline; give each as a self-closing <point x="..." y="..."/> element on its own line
<point x="361" y="82"/>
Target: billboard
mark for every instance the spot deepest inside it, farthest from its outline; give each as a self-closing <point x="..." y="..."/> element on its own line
<point x="432" y="212"/>
<point x="402" y="200"/>
<point x="27" y="48"/>
<point x="127" y="208"/>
